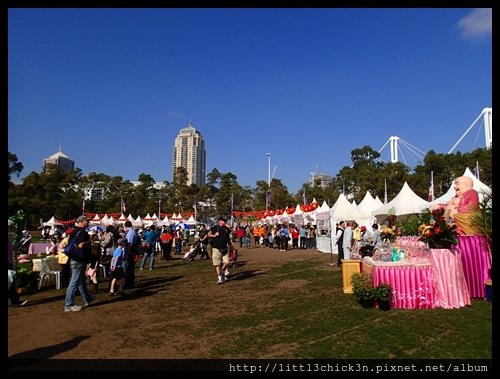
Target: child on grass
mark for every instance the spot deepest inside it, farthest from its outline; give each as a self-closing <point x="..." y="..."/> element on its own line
<point x="116" y="268"/>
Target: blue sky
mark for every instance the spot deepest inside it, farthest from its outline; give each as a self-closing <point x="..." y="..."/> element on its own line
<point x="113" y="87"/>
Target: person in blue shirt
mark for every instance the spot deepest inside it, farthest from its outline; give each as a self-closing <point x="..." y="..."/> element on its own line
<point x="116" y="268"/>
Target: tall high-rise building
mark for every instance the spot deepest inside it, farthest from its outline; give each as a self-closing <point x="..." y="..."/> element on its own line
<point x="189" y="152"/>
<point x="60" y="159"/>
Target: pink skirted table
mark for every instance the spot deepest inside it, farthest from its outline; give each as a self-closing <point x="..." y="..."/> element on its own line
<point x="431" y="278"/>
<point x="412" y="285"/>
<point x="476" y="262"/>
<point x="449" y="279"/>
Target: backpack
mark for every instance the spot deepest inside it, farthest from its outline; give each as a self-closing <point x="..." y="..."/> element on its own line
<point x="74" y="252"/>
<point x="135" y="248"/>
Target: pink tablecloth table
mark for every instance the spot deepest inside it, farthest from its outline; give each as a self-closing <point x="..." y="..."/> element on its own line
<point x="39" y="247"/>
<point x="476" y="262"/>
<point x="412" y="286"/>
<point x="449" y="279"/>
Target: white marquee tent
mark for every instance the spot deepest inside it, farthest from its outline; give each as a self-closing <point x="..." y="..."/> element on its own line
<point x="406" y="202"/>
<point x="369" y="204"/>
<point x="52" y="222"/>
<point x="344" y="210"/>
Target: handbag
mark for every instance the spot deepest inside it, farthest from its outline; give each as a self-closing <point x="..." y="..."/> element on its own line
<point x="62" y="258"/>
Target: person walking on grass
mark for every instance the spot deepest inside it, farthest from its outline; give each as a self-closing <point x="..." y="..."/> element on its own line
<point x="150" y="236"/>
<point x="116" y="268"/>
<point x="220" y="236"/>
<point x="78" y="266"/>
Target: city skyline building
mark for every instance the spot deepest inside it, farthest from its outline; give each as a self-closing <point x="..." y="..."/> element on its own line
<point x="60" y="159"/>
<point x="189" y="152"/>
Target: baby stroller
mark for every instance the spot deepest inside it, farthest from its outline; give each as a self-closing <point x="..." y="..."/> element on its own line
<point x="194" y="253"/>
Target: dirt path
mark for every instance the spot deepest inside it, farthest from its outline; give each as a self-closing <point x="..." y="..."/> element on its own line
<point x="173" y="312"/>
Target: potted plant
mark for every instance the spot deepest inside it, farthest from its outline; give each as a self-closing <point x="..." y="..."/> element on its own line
<point x="383" y="296"/>
<point x="24" y="277"/>
<point x="362" y="289"/>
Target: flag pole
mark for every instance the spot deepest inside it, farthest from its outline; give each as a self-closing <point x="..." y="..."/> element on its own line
<point x="385" y="191"/>
<point x="430" y="197"/>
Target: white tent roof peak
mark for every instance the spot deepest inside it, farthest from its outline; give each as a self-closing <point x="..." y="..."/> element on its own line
<point x="51" y="222"/>
<point x="369" y="204"/>
<point x="191" y="220"/>
<point x="324" y="207"/>
<point x="344" y="210"/>
<point x="405" y="202"/>
<point x="298" y="211"/>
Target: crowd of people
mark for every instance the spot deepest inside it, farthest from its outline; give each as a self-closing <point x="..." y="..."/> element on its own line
<point x="117" y="249"/>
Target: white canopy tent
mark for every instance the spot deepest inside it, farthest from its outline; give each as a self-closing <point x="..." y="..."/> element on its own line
<point x="369" y="204"/>
<point x="165" y="221"/>
<point x="324" y="242"/>
<point x="105" y="219"/>
<point x="406" y="202"/>
<point x="379" y="202"/>
<point x="111" y="221"/>
<point x="96" y="220"/>
<point x="298" y="216"/>
<point x="122" y="219"/>
<point x="191" y="221"/>
<point x="343" y="210"/>
<point x="137" y="223"/>
<point x="52" y="222"/>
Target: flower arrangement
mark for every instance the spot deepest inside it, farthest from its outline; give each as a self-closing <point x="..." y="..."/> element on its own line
<point x="390" y="229"/>
<point x="438" y="233"/>
<point x="387" y="233"/>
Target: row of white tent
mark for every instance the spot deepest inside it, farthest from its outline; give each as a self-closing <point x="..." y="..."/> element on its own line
<point x="368" y="211"/>
<point x="136" y="222"/>
<point x="371" y="210"/>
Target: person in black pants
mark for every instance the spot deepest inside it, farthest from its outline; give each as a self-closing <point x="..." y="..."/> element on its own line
<point x="339" y="234"/>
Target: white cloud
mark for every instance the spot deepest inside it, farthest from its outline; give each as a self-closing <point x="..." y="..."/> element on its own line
<point x="477" y="25"/>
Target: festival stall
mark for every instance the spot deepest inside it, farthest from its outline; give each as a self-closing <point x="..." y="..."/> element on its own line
<point x="420" y="277"/>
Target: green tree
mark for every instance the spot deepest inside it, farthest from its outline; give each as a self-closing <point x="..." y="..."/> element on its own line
<point x="15" y="167"/>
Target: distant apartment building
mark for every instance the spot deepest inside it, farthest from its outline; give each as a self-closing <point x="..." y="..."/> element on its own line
<point x="320" y="179"/>
<point x="189" y="152"/>
<point x="60" y="159"/>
